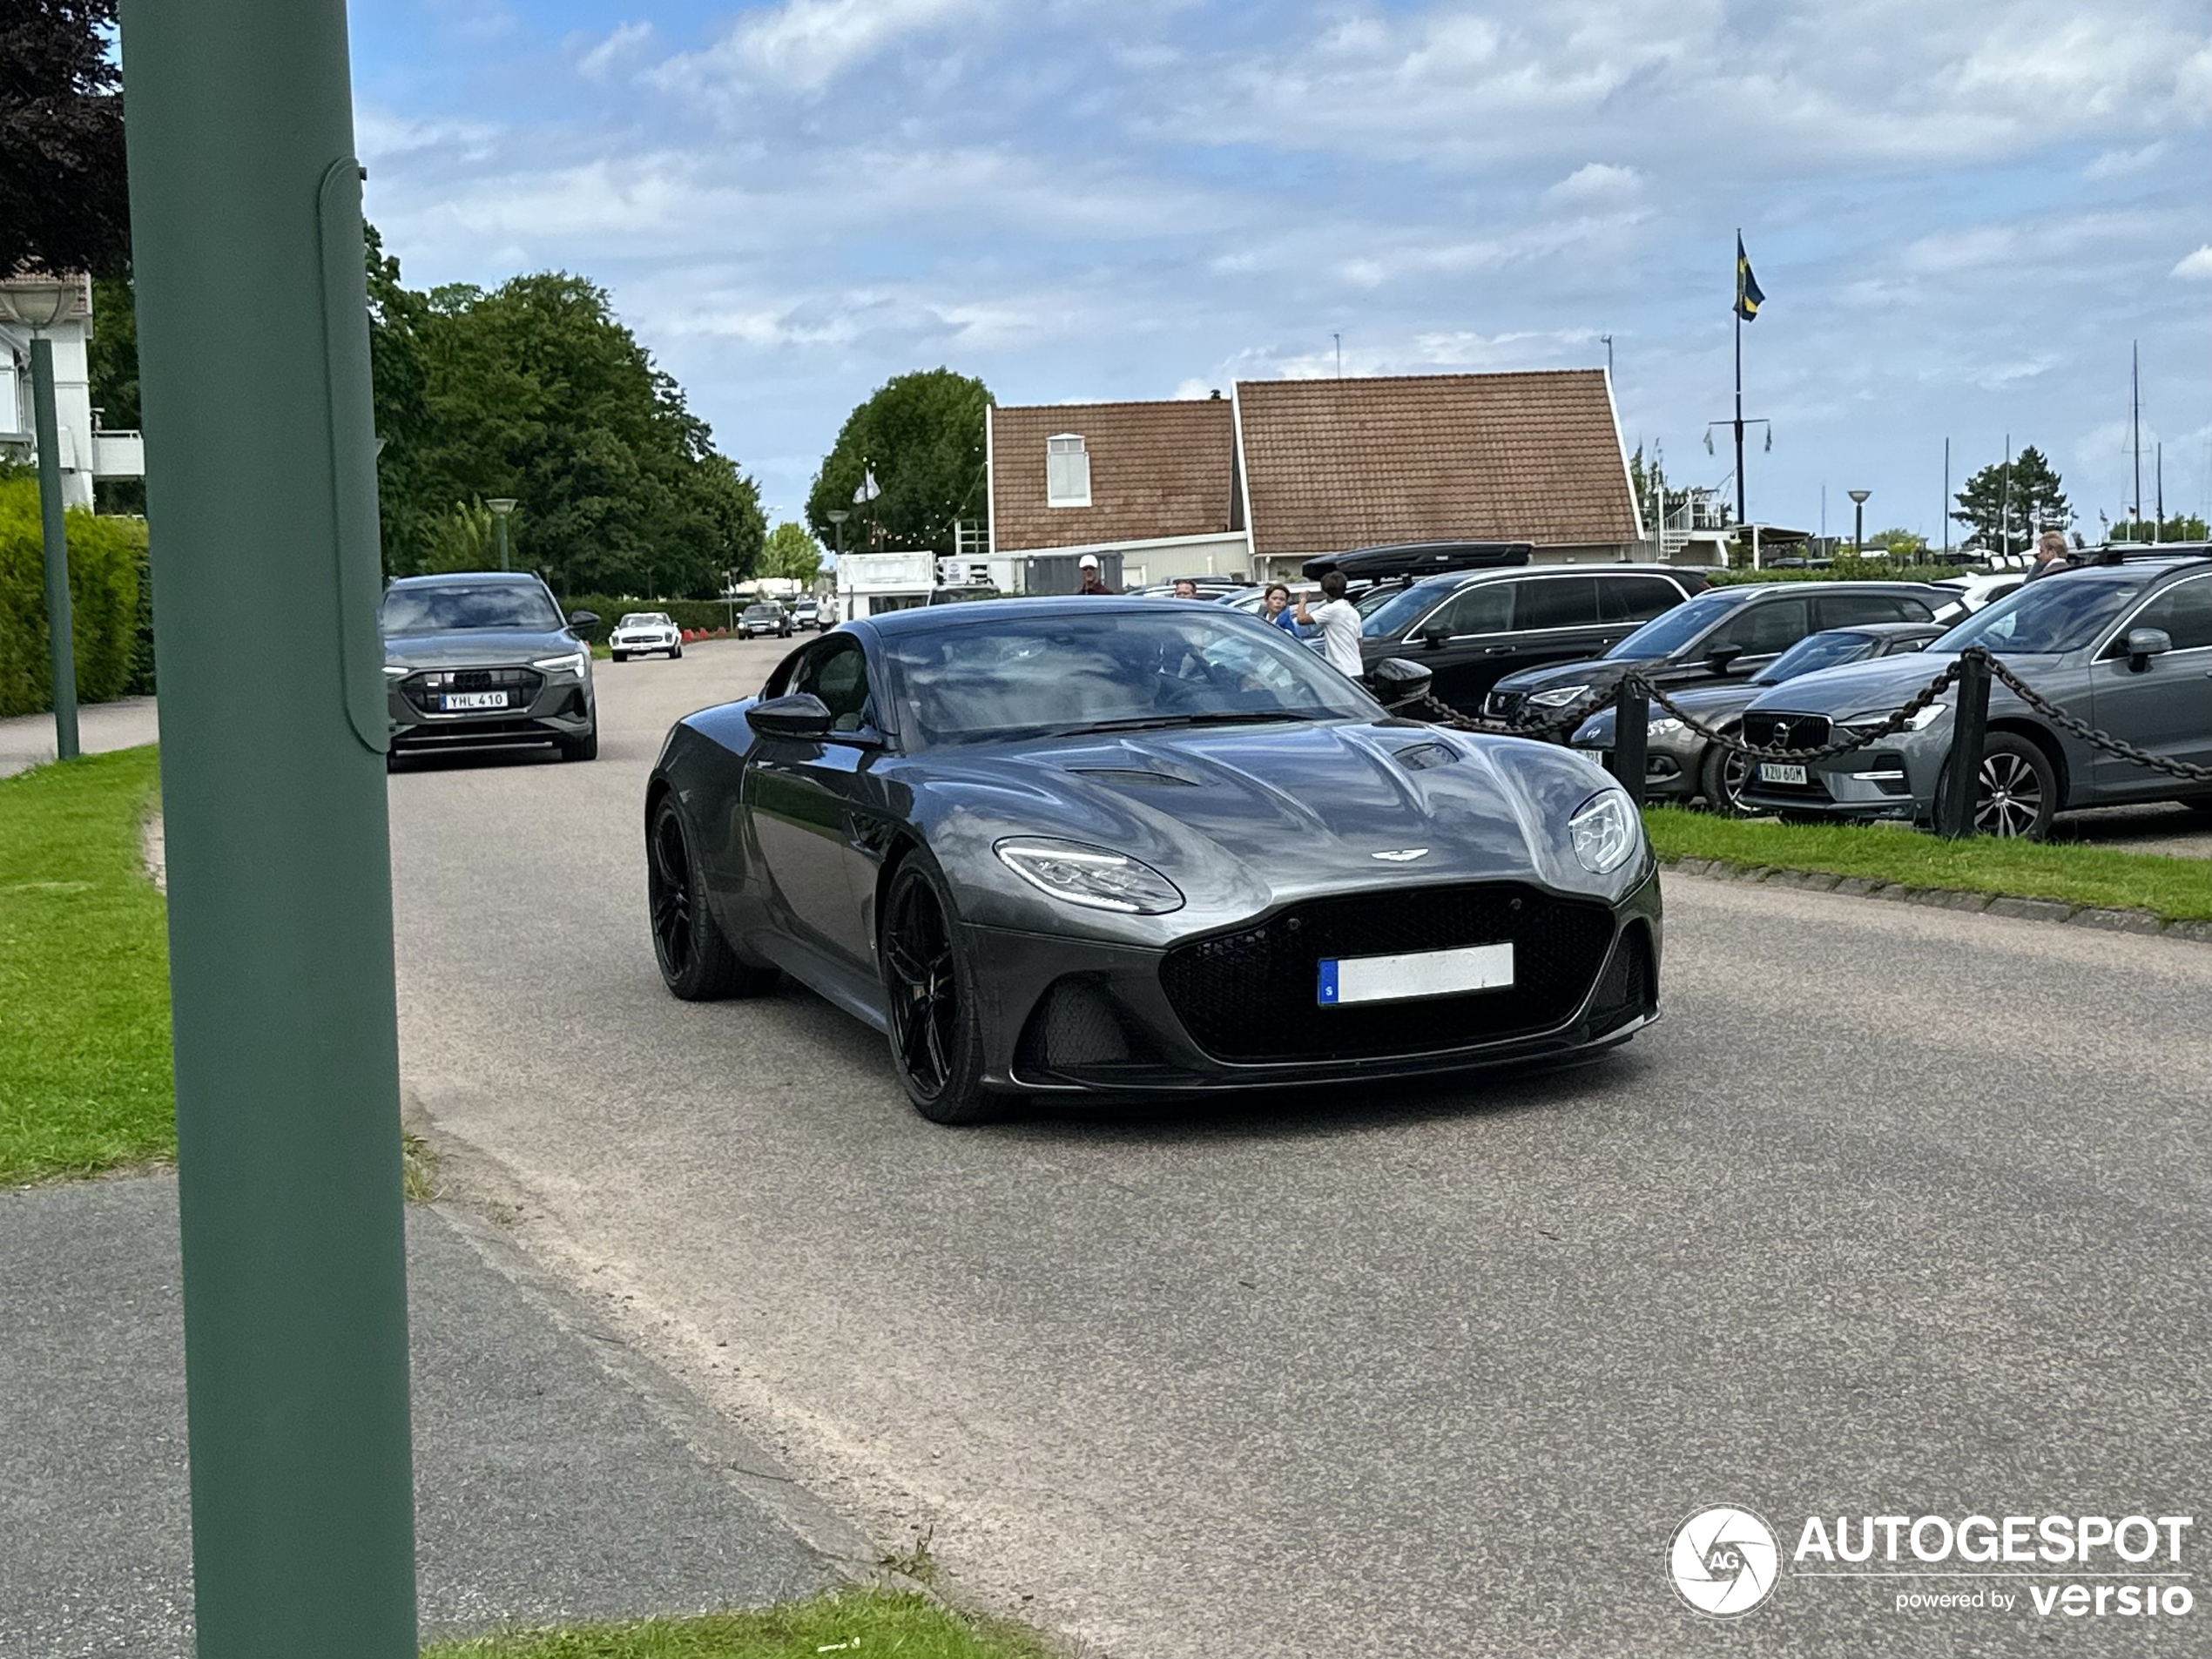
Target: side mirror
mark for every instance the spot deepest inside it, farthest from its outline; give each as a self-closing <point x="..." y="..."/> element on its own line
<point x="799" y="715"/>
<point x="1435" y="635"/>
<point x="583" y="619"/>
<point x="1398" y="681"/>
<point x="2143" y="643"/>
<point x="1721" y="657"/>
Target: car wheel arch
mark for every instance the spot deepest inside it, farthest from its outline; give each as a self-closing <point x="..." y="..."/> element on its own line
<point x="2046" y="740"/>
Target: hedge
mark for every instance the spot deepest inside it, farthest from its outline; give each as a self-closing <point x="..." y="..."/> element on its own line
<point x="106" y="559"/>
<point x="706" y="615"/>
<point x="1845" y="569"/>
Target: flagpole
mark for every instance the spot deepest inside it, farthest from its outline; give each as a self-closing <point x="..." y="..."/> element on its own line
<point x="1742" y="516"/>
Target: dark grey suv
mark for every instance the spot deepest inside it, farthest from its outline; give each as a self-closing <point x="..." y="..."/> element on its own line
<point x="486" y="660"/>
<point x="2125" y="644"/>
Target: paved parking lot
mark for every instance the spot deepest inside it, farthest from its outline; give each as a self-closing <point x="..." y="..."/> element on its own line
<point x="1900" y="1211"/>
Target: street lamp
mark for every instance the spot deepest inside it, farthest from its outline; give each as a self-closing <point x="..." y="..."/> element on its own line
<point x="37" y="303"/>
<point x="1858" y="518"/>
<point x="501" y="506"/>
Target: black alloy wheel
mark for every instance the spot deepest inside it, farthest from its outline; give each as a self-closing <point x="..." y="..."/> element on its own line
<point x="1723" y="778"/>
<point x="2017" y="794"/>
<point x="584" y="748"/>
<point x="697" y="962"/>
<point x="936" y="1037"/>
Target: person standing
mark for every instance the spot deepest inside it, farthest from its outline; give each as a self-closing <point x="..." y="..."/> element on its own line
<point x="1184" y="588"/>
<point x="1274" y="607"/>
<point x="2052" y="556"/>
<point x="1338" y="622"/>
<point x="1090" y="582"/>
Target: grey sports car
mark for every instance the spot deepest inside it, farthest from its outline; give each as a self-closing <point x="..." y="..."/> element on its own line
<point x="1118" y="847"/>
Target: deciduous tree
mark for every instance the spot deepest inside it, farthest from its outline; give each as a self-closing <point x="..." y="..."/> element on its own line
<point x="64" y="205"/>
<point x="921" y="436"/>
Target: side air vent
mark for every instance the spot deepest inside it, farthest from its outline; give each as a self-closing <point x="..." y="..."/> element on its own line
<point x="1134" y="776"/>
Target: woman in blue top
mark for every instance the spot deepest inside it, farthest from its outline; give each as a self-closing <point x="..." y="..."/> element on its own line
<point x="1274" y="607"/>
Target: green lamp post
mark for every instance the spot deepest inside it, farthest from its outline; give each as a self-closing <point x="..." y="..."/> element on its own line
<point x="244" y="188"/>
<point x="37" y="303"/>
<point x="500" y="507"/>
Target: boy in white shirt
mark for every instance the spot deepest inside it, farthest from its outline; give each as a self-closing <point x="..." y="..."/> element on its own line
<point x="1338" y="621"/>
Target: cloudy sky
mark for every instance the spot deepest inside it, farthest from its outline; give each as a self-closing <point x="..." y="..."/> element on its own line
<point x="1961" y="215"/>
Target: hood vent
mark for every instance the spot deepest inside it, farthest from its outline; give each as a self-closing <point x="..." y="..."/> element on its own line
<point x="1419" y="757"/>
<point x="1134" y="776"/>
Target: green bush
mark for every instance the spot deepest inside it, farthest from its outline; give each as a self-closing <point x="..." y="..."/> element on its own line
<point x="707" y="614"/>
<point x="1847" y="568"/>
<point x="105" y="558"/>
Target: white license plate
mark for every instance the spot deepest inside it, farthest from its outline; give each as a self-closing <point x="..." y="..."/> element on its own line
<point x="1426" y="973"/>
<point x="453" y="702"/>
<point x="1776" y="772"/>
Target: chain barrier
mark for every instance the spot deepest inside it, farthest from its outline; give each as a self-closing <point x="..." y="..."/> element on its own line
<point x="1556" y="727"/>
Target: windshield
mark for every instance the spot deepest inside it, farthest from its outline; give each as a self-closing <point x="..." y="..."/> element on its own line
<point x="1058" y="675"/>
<point x="1375" y="598"/>
<point x="643" y="619"/>
<point x="762" y="611"/>
<point x="438" y="610"/>
<point x="1403" y="607"/>
<point x="1664" y="636"/>
<point x="2053" y="615"/>
<point x="1819" y="650"/>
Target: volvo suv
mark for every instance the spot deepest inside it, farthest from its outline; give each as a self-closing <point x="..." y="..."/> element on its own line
<point x="486" y="660"/>
<point x="2125" y="644"/>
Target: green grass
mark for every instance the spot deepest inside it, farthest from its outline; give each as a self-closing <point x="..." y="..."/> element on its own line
<point x="84" y="1081"/>
<point x="858" y="1622"/>
<point x="2175" y="889"/>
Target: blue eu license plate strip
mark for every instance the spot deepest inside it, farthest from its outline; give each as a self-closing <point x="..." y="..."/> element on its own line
<point x="1346" y="980"/>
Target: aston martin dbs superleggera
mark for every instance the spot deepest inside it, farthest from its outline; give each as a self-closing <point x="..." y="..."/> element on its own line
<point x="1117" y="847"/>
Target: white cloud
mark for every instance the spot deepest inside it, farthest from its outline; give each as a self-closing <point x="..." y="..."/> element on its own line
<point x="1595" y="181"/>
<point x="807" y="45"/>
<point x="625" y="44"/>
<point x="2119" y="164"/>
<point x="2196" y="266"/>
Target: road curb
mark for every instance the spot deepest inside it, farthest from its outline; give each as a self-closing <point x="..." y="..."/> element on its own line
<point x="1991" y="904"/>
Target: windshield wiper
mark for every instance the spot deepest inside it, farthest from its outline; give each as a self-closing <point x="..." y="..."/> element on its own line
<point x="1157" y="722"/>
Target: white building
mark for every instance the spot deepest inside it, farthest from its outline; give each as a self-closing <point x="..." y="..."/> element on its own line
<point x="871" y="583"/>
<point x="88" y="449"/>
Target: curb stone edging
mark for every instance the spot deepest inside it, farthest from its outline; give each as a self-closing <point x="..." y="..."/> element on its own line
<point x="1993" y="904"/>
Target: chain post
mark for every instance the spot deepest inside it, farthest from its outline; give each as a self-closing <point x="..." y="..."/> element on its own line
<point x="1969" y="730"/>
<point x="1631" y="733"/>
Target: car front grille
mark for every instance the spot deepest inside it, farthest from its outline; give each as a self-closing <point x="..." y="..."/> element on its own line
<point x="1763" y="730"/>
<point x="424" y="688"/>
<point x="1252" y="996"/>
<point x="1505" y="706"/>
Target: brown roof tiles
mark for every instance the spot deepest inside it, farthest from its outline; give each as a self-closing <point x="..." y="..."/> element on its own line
<point x="1156" y="470"/>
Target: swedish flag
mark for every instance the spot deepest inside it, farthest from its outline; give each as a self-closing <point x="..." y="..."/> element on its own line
<point x="1748" y="297"/>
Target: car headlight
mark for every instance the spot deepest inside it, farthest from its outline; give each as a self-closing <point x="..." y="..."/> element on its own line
<point x="1860" y="724"/>
<point x="574" y="663"/>
<point x="1606" y="832"/>
<point x="1665" y="726"/>
<point x="396" y="670"/>
<point x="1559" y="696"/>
<point x="1090" y="876"/>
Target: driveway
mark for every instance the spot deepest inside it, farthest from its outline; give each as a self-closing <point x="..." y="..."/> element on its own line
<point x="1901" y="1212"/>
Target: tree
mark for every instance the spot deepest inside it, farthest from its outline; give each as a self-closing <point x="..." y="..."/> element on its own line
<point x="1897" y="543"/>
<point x="64" y="205"/>
<point x="112" y="361"/>
<point x="2179" y="527"/>
<point x="921" y="437"/>
<point x="533" y="390"/>
<point x="791" y="553"/>
<point x="2008" y="507"/>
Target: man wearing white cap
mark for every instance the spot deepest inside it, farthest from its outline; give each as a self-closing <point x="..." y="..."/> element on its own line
<point x="1088" y="565"/>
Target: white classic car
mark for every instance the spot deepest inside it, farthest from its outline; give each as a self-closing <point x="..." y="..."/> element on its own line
<point x="642" y="632"/>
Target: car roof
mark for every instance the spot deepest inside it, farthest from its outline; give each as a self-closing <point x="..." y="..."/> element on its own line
<point x="484" y="578"/>
<point x="1453" y="580"/>
<point x="925" y="618"/>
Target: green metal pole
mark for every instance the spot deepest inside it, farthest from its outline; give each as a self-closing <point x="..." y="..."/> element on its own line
<point x="261" y="487"/>
<point x="502" y="541"/>
<point x="60" y="645"/>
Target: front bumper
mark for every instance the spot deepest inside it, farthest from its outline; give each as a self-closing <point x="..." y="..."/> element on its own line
<point x="1672" y="765"/>
<point x="544" y="708"/>
<point x="1894" y="779"/>
<point x="1070" y="1016"/>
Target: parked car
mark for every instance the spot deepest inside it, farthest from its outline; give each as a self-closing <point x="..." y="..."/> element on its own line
<point x="806" y="613"/>
<point x="1471" y="629"/>
<point x="1218" y="588"/>
<point x="641" y="633"/>
<point x="2125" y="644"/>
<point x="1975" y="593"/>
<point x="765" y="616"/>
<point x="962" y="593"/>
<point x="1681" y="766"/>
<point x="1724" y="633"/>
<point x="485" y="659"/>
<point x="1022" y="888"/>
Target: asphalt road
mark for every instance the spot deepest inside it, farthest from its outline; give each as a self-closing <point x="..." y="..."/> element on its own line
<point x="1900" y="1211"/>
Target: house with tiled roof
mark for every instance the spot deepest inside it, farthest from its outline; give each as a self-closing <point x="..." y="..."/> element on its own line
<point x="1258" y="484"/>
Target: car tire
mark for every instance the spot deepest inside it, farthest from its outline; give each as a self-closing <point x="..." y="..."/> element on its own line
<point x="1721" y="778"/>
<point x="2019" y="792"/>
<point x="696" y="961"/>
<point x="584" y="748"/>
<point x="933" y="1015"/>
<point x="2200" y="805"/>
<point x="619" y="656"/>
<point x="1790" y="815"/>
<point x="676" y="655"/>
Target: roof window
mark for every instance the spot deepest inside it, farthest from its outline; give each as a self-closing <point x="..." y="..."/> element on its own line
<point x="1067" y="470"/>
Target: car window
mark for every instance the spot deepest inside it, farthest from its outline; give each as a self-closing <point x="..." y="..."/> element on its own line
<point x="1762" y="630"/>
<point x="838" y="675"/>
<point x="1814" y="652"/>
<point x="1557" y="601"/>
<point x="2059" y="613"/>
<point x="490" y="604"/>
<point x="1636" y="598"/>
<point x="1403" y="608"/>
<point x="2184" y="611"/>
<point x="1850" y="610"/>
<point x="1664" y="636"/>
<point x="1486" y="608"/>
